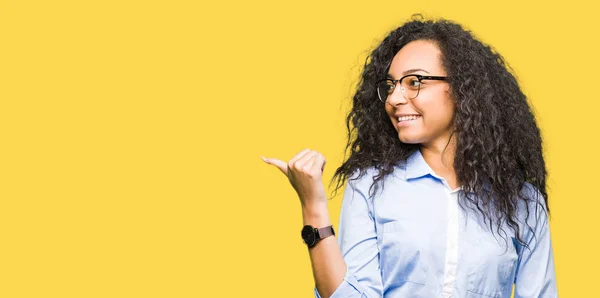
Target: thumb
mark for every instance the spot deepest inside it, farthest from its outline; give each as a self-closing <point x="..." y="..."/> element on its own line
<point x="281" y="165"/>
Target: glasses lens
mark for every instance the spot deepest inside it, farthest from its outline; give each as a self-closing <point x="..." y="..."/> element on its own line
<point x="410" y="86"/>
<point x="384" y="89"/>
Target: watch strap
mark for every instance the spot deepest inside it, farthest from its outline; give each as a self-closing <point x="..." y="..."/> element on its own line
<point x="325" y="232"/>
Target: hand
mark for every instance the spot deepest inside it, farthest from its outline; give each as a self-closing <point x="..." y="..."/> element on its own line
<point x="305" y="172"/>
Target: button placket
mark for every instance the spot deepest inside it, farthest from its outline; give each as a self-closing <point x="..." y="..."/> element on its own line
<point x="451" y="262"/>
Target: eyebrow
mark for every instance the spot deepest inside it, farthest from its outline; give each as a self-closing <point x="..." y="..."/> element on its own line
<point x="408" y="71"/>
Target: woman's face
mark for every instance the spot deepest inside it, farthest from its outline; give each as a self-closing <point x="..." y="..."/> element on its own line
<point x="433" y="108"/>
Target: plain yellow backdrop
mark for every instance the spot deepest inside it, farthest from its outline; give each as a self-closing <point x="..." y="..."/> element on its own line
<point x="131" y="134"/>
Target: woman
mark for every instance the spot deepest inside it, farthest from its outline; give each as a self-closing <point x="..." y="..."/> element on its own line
<point x="442" y="124"/>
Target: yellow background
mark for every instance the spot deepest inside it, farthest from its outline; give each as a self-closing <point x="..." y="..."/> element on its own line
<point x="131" y="134"/>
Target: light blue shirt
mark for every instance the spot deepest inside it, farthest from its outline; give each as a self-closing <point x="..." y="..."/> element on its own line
<point x="413" y="240"/>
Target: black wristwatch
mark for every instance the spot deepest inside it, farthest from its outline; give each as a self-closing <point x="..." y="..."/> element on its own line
<point x="312" y="235"/>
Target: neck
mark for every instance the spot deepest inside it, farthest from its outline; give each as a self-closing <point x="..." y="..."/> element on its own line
<point x="440" y="158"/>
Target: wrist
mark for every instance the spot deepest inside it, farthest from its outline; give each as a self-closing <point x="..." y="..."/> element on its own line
<point x="316" y="215"/>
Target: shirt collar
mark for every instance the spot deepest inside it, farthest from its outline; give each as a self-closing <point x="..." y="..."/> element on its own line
<point x="417" y="167"/>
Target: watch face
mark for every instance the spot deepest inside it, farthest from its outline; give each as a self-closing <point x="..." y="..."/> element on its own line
<point x="308" y="235"/>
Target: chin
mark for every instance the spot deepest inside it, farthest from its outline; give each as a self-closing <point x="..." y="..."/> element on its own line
<point x="409" y="140"/>
<point x="411" y="135"/>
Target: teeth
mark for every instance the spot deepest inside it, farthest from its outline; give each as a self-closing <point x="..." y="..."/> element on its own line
<point x="406" y="118"/>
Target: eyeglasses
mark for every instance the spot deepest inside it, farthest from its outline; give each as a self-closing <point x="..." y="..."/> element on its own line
<point x="410" y="85"/>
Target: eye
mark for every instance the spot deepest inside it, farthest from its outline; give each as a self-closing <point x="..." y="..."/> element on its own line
<point x="413" y="82"/>
<point x="389" y="86"/>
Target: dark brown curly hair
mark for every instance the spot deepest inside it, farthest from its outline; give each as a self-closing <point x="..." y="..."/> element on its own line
<point x="498" y="146"/>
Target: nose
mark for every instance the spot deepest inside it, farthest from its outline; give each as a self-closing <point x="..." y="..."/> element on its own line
<point x="397" y="97"/>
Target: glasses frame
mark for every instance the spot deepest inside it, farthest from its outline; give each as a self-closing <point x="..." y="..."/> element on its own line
<point x="419" y="77"/>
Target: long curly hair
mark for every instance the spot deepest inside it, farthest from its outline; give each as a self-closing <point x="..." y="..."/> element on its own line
<point x="498" y="145"/>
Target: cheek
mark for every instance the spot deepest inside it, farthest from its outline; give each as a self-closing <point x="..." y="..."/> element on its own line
<point x="438" y="114"/>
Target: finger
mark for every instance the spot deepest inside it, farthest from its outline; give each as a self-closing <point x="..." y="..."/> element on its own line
<point x="298" y="156"/>
<point x="281" y="165"/>
<point x="306" y="160"/>
<point x="322" y="162"/>
<point x="318" y="163"/>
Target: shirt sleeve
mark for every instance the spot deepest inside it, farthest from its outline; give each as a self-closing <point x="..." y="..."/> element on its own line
<point x="536" y="276"/>
<point x="357" y="237"/>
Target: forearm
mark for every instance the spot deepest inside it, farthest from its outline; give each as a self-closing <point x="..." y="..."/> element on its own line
<point x="326" y="258"/>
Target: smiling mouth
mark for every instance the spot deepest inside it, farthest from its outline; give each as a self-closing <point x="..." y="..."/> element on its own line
<point x="408" y="118"/>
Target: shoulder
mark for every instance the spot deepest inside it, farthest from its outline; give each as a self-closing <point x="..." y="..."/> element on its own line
<point x="532" y="210"/>
<point x="363" y="180"/>
<point x="532" y="199"/>
<point x="360" y="180"/>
